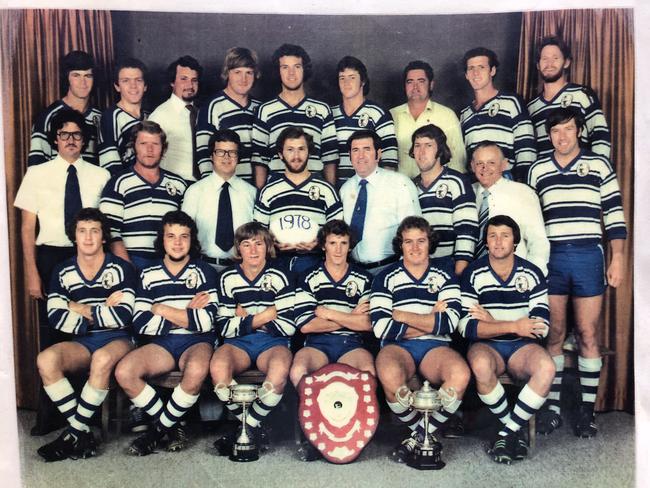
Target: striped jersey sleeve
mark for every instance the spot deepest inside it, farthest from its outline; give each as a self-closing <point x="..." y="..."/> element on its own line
<point x="69" y="285"/>
<point x="313" y="116"/>
<point x="318" y="289"/>
<point x="115" y="152"/>
<point x="449" y="205"/>
<point x="503" y="119"/>
<point x="222" y="112"/>
<point x="596" y="136"/>
<point x="369" y="116"/>
<point x="395" y="289"/>
<point x="574" y="199"/>
<point x="525" y="294"/>
<point x="272" y="287"/>
<point x="157" y="285"/>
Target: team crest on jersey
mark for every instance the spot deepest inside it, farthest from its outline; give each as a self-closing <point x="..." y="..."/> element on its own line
<point x="566" y="100"/>
<point x="521" y="284"/>
<point x="267" y="283"/>
<point x="494" y="109"/>
<point x="192" y="280"/>
<point x="96" y="120"/>
<point x="171" y="189"/>
<point x="442" y="190"/>
<point x="108" y="279"/>
<point x="363" y="120"/>
<point x="434" y="284"/>
<point x="310" y="111"/>
<point x="351" y="289"/>
<point x="314" y="192"/>
<point x="583" y="169"/>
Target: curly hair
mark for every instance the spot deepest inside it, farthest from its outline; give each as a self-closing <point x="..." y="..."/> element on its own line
<point x="414" y="222"/>
<point x="89" y="214"/>
<point x="336" y="227"/>
<point x="180" y="218"/>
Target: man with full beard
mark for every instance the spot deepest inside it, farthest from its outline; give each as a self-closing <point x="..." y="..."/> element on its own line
<point x="553" y="61"/>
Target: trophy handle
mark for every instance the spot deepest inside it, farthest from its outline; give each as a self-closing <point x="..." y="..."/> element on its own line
<point x="404" y="396"/>
<point x="447" y="396"/>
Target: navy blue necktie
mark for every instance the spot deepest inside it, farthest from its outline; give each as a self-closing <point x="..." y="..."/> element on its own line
<point x="225" y="236"/>
<point x="72" y="198"/>
<point x="359" y="213"/>
<point x="483" y="216"/>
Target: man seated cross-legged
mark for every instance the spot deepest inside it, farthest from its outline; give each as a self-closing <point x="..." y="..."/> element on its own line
<point x="414" y="307"/>
<point x="332" y="310"/>
<point x="505" y="305"/>
<point x="91" y="299"/>
<point x="176" y="306"/>
<point x="256" y="301"/>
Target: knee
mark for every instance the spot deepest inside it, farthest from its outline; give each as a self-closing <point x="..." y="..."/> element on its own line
<point x="220" y="370"/>
<point x="459" y="377"/>
<point x="194" y="375"/>
<point x="125" y="373"/>
<point x="296" y="373"/>
<point x="545" y="370"/>
<point x="101" y="363"/>
<point x="483" y="368"/>
<point x="48" y="363"/>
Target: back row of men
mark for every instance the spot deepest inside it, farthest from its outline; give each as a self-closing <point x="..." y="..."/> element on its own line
<point x="493" y="114"/>
<point x="575" y="187"/>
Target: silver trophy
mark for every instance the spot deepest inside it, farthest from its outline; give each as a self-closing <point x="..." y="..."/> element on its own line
<point x="244" y="448"/>
<point x="426" y="400"/>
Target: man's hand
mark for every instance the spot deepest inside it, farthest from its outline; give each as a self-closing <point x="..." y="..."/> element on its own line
<point x="362" y="308"/>
<point x="479" y="313"/>
<point x="240" y="311"/>
<point x="412" y="333"/>
<point x="200" y="300"/>
<point x="440" y="306"/>
<point x="34" y="286"/>
<point x="114" y="299"/>
<point x="615" y="271"/>
<point x="533" y="328"/>
<point x="284" y="246"/>
<point x="322" y="312"/>
<point x="306" y="246"/>
<point x="83" y="310"/>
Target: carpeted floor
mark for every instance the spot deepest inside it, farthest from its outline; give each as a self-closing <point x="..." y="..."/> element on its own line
<point x="560" y="460"/>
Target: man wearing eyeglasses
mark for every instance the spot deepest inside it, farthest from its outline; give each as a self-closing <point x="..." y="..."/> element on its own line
<point x="220" y="202"/>
<point x="49" y="197"/>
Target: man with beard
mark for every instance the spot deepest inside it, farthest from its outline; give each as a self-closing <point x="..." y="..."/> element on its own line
<point x="295" y="204"/>
<point x="177" y="116"/>
<point x="130" y="82"/>
<point x="553" y="59"/>
<point x="232" y="108"/>
<point x="293" y="108"/>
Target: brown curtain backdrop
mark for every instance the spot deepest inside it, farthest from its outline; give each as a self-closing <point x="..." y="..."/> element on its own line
<point x="602" y="47"/>
<point x="31" y="45"/>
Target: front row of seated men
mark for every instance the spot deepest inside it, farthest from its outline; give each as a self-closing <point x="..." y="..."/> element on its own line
<point x="179" y="307"/>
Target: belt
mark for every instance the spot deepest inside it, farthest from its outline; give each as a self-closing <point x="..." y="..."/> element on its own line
<point x="376" y="264"/>
<point x="218" y="262"/>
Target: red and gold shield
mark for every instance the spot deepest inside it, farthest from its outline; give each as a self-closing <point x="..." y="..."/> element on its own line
<point x="338" y="411"/>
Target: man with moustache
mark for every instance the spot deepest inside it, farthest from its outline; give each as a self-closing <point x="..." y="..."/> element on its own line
<point x="296" y="203"/>
<point x="292" y="107"/>
<point x="420" y="110"/>
<point x="220" y="202"/>
<point x="77" y="79"/>
<point x="553" y="58"/>
<point x="130" y="82"/>
<point x="232" y="108"/>
<point x="136" y="200"/>
<point x="177" y="117"/>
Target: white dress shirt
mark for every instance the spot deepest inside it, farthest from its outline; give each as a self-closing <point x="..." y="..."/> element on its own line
<point x="42" y="192"/>
<point x="520" y="202"/>
<point x="174" y="118"/>
<point x="391" y="198"/>
<point x="201" y="202"/>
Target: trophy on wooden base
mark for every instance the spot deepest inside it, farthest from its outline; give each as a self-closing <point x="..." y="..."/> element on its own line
<point x="244" y="448"/>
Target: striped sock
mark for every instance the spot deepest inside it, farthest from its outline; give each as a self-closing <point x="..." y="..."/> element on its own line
<point x="405" y="414"/>
<point x="148" y="400"/>
<point x="223" y="394"/>
<point x="528" y="402"/>
<point x="553" y="402"/>
<point x="62" y="395"/>
<point x="497" y="402"/>
<point x="266" y="400"/>
<point x="589" y="373"/>
<point x="177" y="405"/>
<point x="89" y="401"/>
